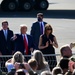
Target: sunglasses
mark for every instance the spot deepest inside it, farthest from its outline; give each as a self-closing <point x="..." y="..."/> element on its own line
<point x="48" y="29"/>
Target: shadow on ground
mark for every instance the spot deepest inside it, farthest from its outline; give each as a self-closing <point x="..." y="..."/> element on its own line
<point x="47" y="14"/>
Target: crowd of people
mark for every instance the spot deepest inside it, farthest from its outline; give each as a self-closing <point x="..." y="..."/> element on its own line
<point x="39" y="42"/>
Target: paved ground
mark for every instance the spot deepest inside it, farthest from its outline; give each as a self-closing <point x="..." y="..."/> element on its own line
<point x="64" y="29"/>
<point x="61" y="5"/>
<point x="60" y="14"/>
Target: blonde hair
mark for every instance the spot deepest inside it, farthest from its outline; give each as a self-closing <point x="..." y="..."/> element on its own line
<point x="38" y="55"/>
<point x="18" y="57"/>
<point x="22" y="26"/>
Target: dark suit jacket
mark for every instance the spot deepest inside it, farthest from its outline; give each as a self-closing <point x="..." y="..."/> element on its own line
<point x="35" y="32"/>
<point x="19" y="43"/>
<point x="6" y="46"/>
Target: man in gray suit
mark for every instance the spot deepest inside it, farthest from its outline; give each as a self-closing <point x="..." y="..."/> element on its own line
<point x="37" y="29"/>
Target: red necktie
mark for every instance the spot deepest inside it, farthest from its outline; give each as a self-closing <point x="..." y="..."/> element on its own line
<point x="25" y="45"/>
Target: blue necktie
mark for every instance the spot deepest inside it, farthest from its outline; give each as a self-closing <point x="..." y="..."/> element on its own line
<point x="5" y="33"/>
<point x="41" y="28"/>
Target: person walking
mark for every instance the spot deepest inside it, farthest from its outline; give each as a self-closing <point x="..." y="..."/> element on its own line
<point x="37" y="29"/>
<point x="6" y="45"/>
<point x="47" y="42"/>
<point x="23" y="41"/>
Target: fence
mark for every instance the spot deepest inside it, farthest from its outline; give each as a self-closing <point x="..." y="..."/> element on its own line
<point x="49" y="59"/>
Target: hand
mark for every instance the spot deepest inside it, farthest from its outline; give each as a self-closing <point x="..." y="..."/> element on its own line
<point x="27" y="66"/>
<point x="51" y="42"/>
<point x="14" y="37"/>
<point x="16" y="65"/>
<point x="71" y="66"/>
<point x="31" y="49"/>
<point x="10" y="60"/>
<point x="47" y="44"/>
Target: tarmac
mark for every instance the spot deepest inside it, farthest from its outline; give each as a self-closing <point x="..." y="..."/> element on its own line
<point x="60" y="14"/>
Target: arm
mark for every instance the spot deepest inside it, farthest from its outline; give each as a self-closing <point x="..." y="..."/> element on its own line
<point x="54" y="43"/>
<point x="40" y="43"/>
<point x="13" y="40"/>
<point x="28" y="68"/>
<point x="8" y="61"/>
<point x="32" y="30"/>
<point x="32" y="44"/>
<point x="14" y="37"/>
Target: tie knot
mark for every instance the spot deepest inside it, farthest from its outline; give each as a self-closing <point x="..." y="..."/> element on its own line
<point x="5" y="30"/>
<point x="24" y="36"/>
<point x="41" y="23"/>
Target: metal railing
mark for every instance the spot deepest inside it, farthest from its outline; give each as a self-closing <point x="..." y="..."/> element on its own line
<point x="48" y="58"/>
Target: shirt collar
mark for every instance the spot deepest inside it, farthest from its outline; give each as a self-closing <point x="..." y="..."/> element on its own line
<point x="41" y="22"/>
<point x="5" y="30"/>
<point x="24" y="35"/>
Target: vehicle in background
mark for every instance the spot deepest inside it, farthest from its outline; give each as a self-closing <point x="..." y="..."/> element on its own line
<point x="41" y="4"/>
<point x="25" y="5"/>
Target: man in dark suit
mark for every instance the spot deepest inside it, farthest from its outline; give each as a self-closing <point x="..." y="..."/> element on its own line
<point x="6" y="45"/>
<point x="37" y="29"/>
<point x="23" y="41"/>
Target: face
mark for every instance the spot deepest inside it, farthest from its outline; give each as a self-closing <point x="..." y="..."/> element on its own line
<point x="23" y="30"/>
<point x="5" y="26"/>
<point x="40" y="18"/>
<point x="67" y="52"/>
<point x="48" y="30"/>
<point x="71" y="65"/>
